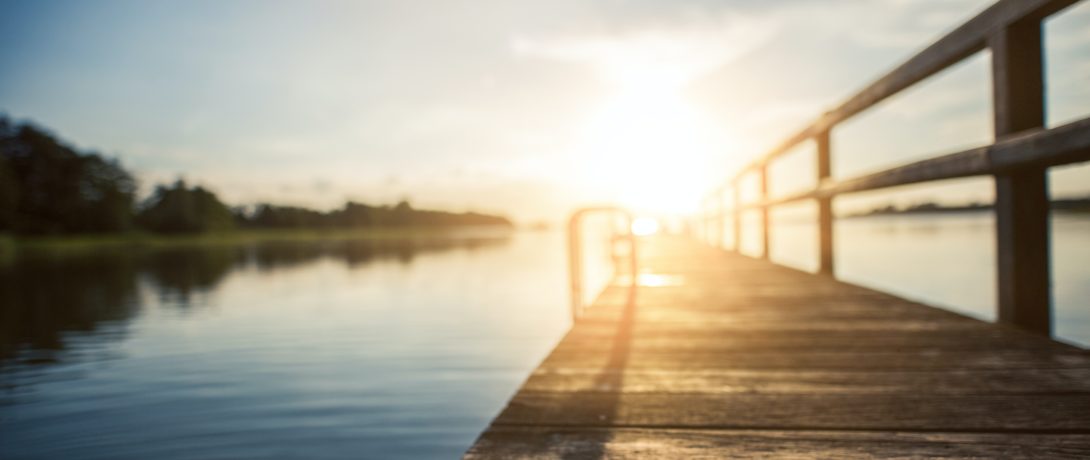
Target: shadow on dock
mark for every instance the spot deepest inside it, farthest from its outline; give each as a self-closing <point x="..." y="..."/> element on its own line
<point x="610" y="381"/>
<point x="778" y="362"/>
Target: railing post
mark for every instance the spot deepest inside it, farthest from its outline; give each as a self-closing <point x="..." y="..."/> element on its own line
<point x="720" y="214"/>
<point x="703" y="222"/>
<point x="765" y="227"/>
<point x="737" y="218"/>
<point x="575" y="265"/>
<point x="825" y="206"/>
<point x="1021" y="196"/>
<point x="708" y="223"/>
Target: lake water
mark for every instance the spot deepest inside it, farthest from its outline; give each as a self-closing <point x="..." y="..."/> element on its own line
<point x="291" y="350"/>
<point x="357" y="349"/>
<point x="945" y="260"/>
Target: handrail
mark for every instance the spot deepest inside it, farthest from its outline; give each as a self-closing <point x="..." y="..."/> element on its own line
<point x="1018" y="160"/>
<point x="575" y="252"/>
<point x="1066" y="144"/>
<point x="961" y="43"/>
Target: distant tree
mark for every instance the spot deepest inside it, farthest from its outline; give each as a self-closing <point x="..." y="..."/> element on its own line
<point x="241" y="215"/>
<point x="180" y="209"/>
<point x="9" y="196"/>
<point x="403" y="215"/>
<point x="355" y="215"/>
<point x="472" y="218"/>
<point x="48" y="187"/>
<point x="271" y="216"/>
<point x="9" y="189"/>
<point x="108" y="192"/>
<point x="58" y="189"/>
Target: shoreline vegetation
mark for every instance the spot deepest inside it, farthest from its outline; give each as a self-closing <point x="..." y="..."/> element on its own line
<point x="13" y="247"/>
<point x="1071" y="205"/>
<point x="245" y="236"/>
<point x="52" y="194"/>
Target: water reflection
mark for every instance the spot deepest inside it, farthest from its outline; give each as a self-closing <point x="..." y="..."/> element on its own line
<point x="400" y="348"/>
<point x="43" y="297"/>
<point x="46" y="294"/>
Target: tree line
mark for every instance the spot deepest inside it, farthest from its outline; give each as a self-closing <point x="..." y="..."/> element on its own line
<point x="50" y="188"/>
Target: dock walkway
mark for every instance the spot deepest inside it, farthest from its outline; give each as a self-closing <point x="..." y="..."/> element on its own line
<point x="720" y="355"/>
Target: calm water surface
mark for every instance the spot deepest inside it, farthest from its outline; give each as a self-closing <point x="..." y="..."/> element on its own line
<point x="291" y="350"/>
<point x="402" y="349"/>
<point x="946" y="260"/>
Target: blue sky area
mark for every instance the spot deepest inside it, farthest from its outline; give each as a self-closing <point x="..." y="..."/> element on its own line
<point x="526" y="108"/>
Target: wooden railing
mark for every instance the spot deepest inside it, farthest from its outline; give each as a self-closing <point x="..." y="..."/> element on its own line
<point x="1018" y="160"/>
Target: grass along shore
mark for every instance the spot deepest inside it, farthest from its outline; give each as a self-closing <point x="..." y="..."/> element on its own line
<point x="9" y="244"/>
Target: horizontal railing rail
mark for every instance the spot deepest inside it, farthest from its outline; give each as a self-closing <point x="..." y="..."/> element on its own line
<point x="1018" y="160"/>
<point x="575" y="251"/>
<point x="961" y="43"/>
<point x="1066" y="144"/>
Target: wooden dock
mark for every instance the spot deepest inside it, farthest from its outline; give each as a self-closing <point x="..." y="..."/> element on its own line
<point x="719" y="355"/>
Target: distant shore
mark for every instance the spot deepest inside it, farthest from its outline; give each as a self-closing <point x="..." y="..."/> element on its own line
<point x="1073" y="205"/>
<point x="10" y="243"/>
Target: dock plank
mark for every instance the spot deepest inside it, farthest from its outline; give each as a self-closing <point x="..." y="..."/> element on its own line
<point x="719" y="355"/>
<point x="627" y="443"/>
<point x="714" y="381"/>
<point x="873" y="411"/>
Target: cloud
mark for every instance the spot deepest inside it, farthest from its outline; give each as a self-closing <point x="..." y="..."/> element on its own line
<point x="681" y="51"/>
<point x="501" y="90"/>
<point x="883" y="24"/>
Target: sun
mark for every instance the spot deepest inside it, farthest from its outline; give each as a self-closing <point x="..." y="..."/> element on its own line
<point x="644" y="226"/>
<point x="647" y="146"/>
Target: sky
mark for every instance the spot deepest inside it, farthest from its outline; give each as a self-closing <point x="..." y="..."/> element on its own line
<point x="523" y="108"/>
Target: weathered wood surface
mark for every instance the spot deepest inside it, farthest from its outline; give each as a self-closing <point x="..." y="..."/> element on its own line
<point x="717" y="355"/>
<point x="621" y="443"/>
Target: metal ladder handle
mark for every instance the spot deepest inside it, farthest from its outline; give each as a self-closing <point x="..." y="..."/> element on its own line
<point x="575" y="252"/>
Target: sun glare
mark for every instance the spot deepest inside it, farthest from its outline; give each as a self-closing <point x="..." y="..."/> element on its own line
<point x="645" y="226"/>
<point x="648" y="147"/>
